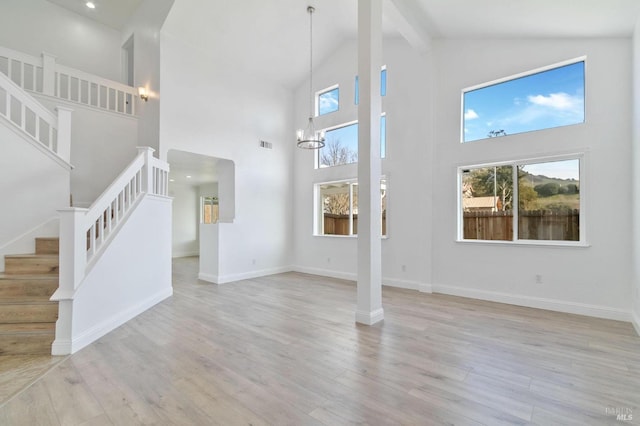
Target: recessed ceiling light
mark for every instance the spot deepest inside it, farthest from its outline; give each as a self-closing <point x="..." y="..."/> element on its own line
<point x="172" y="180"/>
<point x="90" y="5"/>
<point x="188" y="177"/>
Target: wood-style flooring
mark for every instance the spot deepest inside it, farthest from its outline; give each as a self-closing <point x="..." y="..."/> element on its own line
<point x="284" y="350"/>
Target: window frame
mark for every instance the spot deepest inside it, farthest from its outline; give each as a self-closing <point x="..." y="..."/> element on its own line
<point x="518" y="76"/>
<point x="318" y="211"/>
<point x="383" y="137"/>
<point x="322" y="92"/>
<point x="582" y="158"/>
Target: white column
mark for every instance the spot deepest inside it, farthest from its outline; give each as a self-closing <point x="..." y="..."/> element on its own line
<point x="64" y="133"/>
<point x="369" y="300"/>
<point x="48" y="74"/>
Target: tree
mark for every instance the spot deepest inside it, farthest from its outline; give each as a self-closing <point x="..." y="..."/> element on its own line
<point x="493" y="181"/>
<point x="547" y="189"/>
<point x="334" y="154"/>
<point x="496" y="133"/>
<point x="526" y="196"/>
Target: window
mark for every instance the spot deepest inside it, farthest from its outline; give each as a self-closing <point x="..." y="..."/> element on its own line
<point x="545" y="205"/>
<point x="541" y="99"/>
<point x="328" y="101"/>
<point x="337" y="207"/>
<point x="209" y="210"/>
<point x="341" y="145"/>
<point x="383" y="85"/>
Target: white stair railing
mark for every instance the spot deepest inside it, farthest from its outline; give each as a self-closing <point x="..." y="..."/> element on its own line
<point x="50" y="132"/>
<point x="43" y="75"/>
<point x="84" y="233"/>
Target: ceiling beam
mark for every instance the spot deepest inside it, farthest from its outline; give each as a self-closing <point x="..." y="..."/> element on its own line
<point x="408" y="19"/>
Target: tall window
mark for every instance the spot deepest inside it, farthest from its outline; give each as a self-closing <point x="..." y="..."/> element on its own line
<point x="522" y="201"/>
<point x="542" y="99"/>
<point x="341" y="145"/>
<point x="209" y="210"/>
<point x="337" y="207"/>
<point x="328" y="100"/>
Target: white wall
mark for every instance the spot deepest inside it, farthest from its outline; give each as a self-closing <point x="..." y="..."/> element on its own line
<point x="145" y="26"/>
<point x="132" y="275"/>
<point x="102" y="145"/>
<point x="593" y="280"/>
<point x="407" y="168"/>
<point x="33" y="187"/>
<point x="211" y="108"/>
<point x="34" y="26"/>
<point x="635" y="161"/>
<point x="185" y="219"/>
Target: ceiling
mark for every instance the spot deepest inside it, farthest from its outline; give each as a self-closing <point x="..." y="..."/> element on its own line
<point x="201" y="168"/>
<point x="113" y="13"/>
<point x="270" y="38"/>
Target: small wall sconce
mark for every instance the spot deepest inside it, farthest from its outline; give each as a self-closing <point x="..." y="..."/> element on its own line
<point x="142" y="92"/>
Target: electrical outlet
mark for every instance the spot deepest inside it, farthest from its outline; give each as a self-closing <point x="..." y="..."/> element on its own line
<point x="253" y="261"/>
<point x="328" y="260"/>
<point x="538" y="279"/>
<point x="404" y="268"/>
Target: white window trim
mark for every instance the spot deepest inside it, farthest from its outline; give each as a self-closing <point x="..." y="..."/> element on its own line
<point x="318" y="219"/>
<point x="321" y="92"/>
<point x="515" y="77"/>
<point x="582" y="157"/>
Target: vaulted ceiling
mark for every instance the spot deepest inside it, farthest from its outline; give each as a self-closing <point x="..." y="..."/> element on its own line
<point x="272" y="36"/>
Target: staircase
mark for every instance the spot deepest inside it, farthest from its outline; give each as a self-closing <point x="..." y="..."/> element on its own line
<point x="27" y="316"/>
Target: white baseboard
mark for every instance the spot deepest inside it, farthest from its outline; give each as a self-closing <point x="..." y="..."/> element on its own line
<point x="208" y="278"/>
<point x="370" y="318"/>
<point x="97" y="331"/>
<point x="536" y="302"/>
<point x="635" y="320"/>
<point x="185" y="254"/>
<point x="229" y="278"/>
<point x="349" y="276"/>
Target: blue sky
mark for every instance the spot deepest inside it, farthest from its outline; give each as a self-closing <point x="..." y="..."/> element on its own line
<point x="348" y="136"/>
<point x="547" y="99"/>
<point x="565" y="169"/>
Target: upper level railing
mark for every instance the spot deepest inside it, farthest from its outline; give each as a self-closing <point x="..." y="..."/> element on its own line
<point x="43" y="75"/>
<point x="50" y="133"/>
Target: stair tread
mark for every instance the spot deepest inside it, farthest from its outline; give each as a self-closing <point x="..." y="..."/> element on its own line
<point x="43" y="276"/>
<point x="28" y="328"/>
<point x="32" y="255"/>
<point x="25" y="300"/>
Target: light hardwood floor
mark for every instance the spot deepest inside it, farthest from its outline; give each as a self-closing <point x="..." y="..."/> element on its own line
<point x="285" y="349"/>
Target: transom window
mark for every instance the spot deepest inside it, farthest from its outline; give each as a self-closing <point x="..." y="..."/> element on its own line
<point x="383" y="85"/>
<point x="543" y="204"/>
<point x="541" y="99"/>
<point x="337" y="207"/>
<point x="328" y="100"/>
<point x="341" y="144"/>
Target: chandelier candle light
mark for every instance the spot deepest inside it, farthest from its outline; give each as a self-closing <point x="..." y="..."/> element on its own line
<point x="309" y="138"/>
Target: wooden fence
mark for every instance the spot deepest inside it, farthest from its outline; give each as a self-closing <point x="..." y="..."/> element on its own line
<point x="532" y="225"/>
<point x="338" y="224"/>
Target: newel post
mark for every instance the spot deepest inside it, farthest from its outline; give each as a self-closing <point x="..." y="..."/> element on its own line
<point x="73" y="248"/>
<point x="73" y="260"/>
<point x="64" y="133"/>
<point x="48" y="74"/>
<point x="147" y="171"/>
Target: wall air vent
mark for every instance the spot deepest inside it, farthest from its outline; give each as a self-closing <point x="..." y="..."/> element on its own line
<point x="265" y="144"/>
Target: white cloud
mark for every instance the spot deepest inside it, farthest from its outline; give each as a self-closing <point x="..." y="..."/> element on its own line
<point x="561" y="101"/>
<point x="470" y="115"/>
